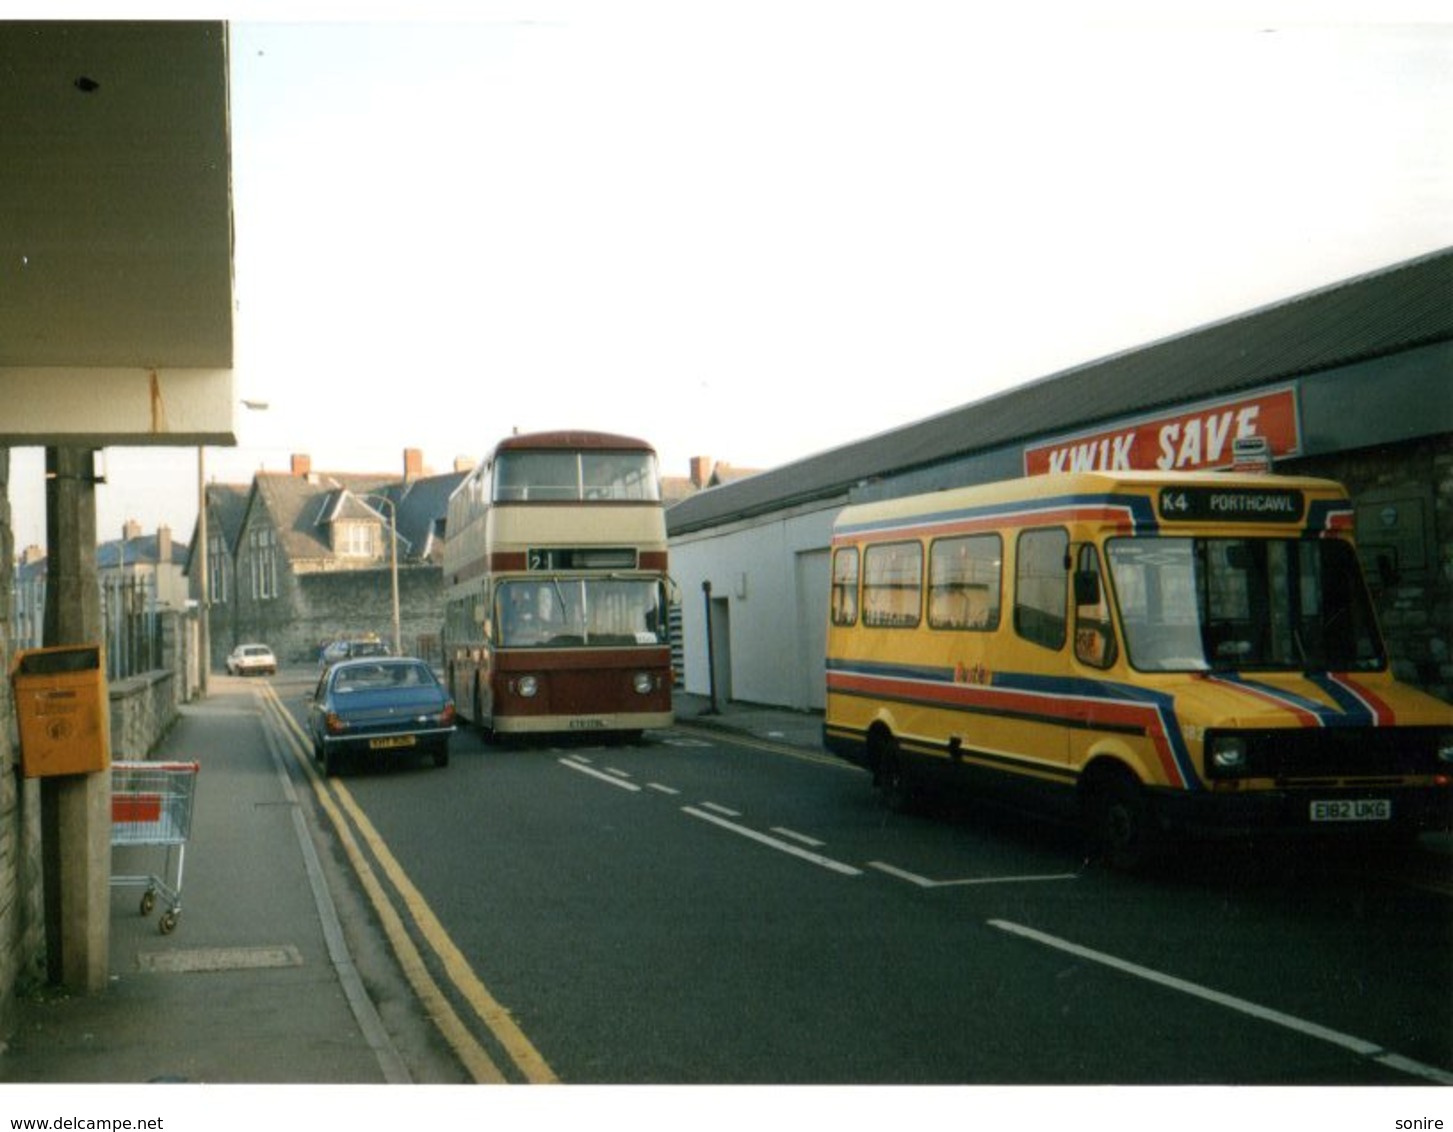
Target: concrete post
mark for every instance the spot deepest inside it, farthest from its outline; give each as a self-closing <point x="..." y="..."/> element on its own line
<point x="75" y="809"/>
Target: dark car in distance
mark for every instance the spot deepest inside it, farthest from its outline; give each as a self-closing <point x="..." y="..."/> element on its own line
<point x="335" y="651"/>
<point x="381" y="706"/>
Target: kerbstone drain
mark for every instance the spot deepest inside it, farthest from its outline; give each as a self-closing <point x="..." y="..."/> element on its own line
<point x="210" y="959"/>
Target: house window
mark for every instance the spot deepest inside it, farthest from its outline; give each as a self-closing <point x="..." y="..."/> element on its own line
<point x="217" y="579"/>
<point x="262" y="562"/>
<point x="356" y="540"/>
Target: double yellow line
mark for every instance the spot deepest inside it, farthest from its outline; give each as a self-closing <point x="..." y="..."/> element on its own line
<point x="352" y="825"/>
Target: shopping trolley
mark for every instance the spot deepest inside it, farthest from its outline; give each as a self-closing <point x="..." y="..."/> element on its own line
<point x="151" y="805"/>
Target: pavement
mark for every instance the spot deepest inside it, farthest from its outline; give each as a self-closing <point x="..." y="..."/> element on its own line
<point x="260" y="983"/>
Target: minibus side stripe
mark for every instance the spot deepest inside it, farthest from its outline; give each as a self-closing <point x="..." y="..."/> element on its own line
<point x="1108" y="702"/>
<point x="1327" y="515"/>
<point x="1354" y="698"/>
<point x="1086" y="705"/>
<point x="1349" y="712"/>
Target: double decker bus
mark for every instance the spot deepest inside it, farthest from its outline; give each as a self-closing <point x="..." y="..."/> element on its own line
<point x="556" y="588"/>
<point x="1143" y="652"/>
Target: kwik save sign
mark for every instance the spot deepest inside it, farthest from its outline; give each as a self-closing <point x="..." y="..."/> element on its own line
<point x="1201" y="437"/>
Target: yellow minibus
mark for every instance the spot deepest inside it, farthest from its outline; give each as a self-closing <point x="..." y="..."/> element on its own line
<point x="1146" y="652"/>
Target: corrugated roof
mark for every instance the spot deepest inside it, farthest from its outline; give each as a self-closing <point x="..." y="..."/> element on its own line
<point x="1385" y="312"/>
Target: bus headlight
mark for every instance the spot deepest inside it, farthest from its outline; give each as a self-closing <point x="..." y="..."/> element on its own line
<point x="644" y="683"/>
<point x="1228" y="754"/>
<point x="1445" y="747"/>
<point x="527" y="686"/>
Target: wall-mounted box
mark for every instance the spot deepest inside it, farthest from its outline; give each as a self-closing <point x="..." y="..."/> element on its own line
<point x="63" y="709"/>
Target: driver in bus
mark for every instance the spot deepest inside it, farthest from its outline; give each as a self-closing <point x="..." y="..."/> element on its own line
<point x="520" y="626"/>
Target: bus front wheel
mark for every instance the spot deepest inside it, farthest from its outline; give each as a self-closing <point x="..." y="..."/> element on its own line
<point x="1118" y="821"/>
<point x="486" y="733"/>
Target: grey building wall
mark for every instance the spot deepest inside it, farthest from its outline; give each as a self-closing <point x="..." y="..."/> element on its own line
<point x="768" y="602"/>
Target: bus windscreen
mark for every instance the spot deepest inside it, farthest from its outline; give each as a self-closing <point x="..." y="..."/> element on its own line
<point x="1224" y="604"/>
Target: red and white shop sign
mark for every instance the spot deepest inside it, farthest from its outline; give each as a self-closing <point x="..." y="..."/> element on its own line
<point x="1198" y="438"/>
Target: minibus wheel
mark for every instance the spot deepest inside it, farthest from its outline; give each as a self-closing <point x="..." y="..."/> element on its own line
<point x="889" y="773"/>
<point x="1118" y="821"/>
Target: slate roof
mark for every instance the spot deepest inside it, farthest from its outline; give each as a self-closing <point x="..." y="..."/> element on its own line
<point x="423" y="505"/>
<point x="118" y="553"/>
<point x="1382" y="313"/>
<point x="301" y="507"/>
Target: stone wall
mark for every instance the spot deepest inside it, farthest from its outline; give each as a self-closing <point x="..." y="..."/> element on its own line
<point x="22" y="909"/>
<point x="143" y="710"/>
<point x="1410" y="489"/>
<point x="312" y="609"/>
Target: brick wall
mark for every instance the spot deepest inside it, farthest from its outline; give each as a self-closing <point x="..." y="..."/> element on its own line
<point x="1415" y="595"/>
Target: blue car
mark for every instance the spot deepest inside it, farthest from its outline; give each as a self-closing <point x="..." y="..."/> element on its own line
<point x="380" y="706"/>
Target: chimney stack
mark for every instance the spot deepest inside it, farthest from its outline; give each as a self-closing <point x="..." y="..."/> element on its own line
<point x="413" y="464"/>
<point x="302" y="465"/>
<point x="700" y="470"/>
<point x="163" y="546"/>
<point x="130" y="529"/>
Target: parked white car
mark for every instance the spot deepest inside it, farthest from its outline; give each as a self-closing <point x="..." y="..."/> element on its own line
<point x="247" y="659"/>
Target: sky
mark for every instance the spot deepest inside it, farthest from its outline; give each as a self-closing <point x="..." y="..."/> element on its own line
<point x="753" y="231"/>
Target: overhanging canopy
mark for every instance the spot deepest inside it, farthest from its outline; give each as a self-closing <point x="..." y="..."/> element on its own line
<point x="115" y="234"/>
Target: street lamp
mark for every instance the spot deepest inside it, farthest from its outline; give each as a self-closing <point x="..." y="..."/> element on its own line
<point x="393" y="547"/>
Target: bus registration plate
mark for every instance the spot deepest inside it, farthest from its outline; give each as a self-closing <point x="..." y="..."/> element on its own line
<point x="1352" y="809"/>
<point x="392" y="741"/>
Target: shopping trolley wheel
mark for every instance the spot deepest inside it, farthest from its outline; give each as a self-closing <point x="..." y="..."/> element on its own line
<point x="168" y="922"/>
<point x="148" y="902"/>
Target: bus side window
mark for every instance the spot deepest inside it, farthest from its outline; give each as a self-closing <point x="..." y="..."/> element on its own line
<point x="963" y="582"/>
<point x="1040" y="602"/>
<point x="845" y="586"/>
<point x="893" y="585"/>
<point x="1094" y="635"/>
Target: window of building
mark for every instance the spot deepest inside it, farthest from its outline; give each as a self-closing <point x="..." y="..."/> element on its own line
<point x="262" y="562"/>
<point x="356" y="540"/>
<point x="218" y="581"/>
<point x="964" y="582"/>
